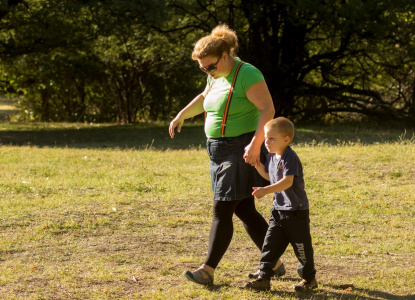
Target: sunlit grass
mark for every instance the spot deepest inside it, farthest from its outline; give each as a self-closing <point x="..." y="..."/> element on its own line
<point x="78" y="221"/>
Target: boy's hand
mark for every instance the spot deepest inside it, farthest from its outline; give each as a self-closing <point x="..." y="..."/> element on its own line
<point x="258" y="192"/>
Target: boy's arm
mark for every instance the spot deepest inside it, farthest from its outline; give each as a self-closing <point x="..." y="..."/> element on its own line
<point x="279" y="186"/>
<point x="261" y="170"/>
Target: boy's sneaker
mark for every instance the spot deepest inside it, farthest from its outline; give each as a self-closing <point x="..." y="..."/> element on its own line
<point x="261" y="284"/>
<point x="278" y="272"/>
<point x="305" y="285"/>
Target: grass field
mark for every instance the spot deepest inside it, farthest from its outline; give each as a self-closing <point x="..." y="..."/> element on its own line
<point x="119" y="212"/>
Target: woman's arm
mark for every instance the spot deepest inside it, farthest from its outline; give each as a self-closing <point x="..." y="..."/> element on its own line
<point x="194" y="108"/>
<point x="259" y="95"/>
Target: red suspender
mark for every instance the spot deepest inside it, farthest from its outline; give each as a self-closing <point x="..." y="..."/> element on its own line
<point x="228" y="101"/>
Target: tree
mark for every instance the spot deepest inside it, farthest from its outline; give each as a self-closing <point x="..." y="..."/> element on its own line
<point x="89" y="60"/>
<point x="320" y="57"/>
<point x="7" y="6"/>
<point x="119" y="60"/>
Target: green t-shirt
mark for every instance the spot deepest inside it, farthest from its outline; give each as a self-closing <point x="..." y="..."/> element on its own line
<point x="243" y="114"/>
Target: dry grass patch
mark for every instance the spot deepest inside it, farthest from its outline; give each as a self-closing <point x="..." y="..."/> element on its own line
<point x="113" y="223"/>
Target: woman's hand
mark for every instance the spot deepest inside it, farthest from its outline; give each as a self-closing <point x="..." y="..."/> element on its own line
<point x="177" y="122"/>
<point x="194" y="108"/>
<point x="252" y="155"/>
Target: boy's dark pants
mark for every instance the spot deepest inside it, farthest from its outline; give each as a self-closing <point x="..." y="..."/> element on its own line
<point x="288" y="227"/>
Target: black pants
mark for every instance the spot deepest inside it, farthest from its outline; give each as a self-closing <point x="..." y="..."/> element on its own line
<point x="288" y="227"/>
<point x="221" y="231"/>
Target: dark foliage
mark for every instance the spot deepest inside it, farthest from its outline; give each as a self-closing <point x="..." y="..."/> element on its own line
<point x="125" y="61"/>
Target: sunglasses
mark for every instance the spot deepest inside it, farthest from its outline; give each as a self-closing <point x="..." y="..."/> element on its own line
<point x="211" y="68"/>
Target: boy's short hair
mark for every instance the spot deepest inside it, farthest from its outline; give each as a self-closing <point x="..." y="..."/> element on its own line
<point x="283" y="125"/>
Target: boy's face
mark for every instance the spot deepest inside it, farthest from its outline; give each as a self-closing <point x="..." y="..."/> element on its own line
<point x="275" y="142"/>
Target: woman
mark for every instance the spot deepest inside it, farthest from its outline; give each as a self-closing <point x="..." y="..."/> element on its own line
<point x="237" y="105"/>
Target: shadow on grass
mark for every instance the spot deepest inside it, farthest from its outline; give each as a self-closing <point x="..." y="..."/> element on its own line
<point x="326" y="292"/>
<point x="356" y="293"/>
<point x="360" y="294"/>
<point x="156" y="136"/>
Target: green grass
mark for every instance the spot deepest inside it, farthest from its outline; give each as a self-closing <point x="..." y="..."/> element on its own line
<point x="84" y="208"/>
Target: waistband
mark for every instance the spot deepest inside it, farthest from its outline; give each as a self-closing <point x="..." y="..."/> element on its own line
<point x="241" y="137"/>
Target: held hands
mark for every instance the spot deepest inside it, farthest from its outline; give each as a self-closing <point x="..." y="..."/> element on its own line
<point x="252" y="155"/>
<point x="177" y="122"/>
<point x="258" y="192"/>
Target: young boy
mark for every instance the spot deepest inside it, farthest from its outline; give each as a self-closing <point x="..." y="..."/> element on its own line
<point x="289" y="222"/>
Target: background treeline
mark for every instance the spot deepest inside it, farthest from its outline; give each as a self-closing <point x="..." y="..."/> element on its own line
<point x="126" y="61"/>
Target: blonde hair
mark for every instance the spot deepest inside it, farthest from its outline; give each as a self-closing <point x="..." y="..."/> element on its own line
<point x="283" y="126"/>
<point x="221" y="39"/>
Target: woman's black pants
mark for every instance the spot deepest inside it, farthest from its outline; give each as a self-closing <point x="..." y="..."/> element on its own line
<point x="221" y="231"/>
